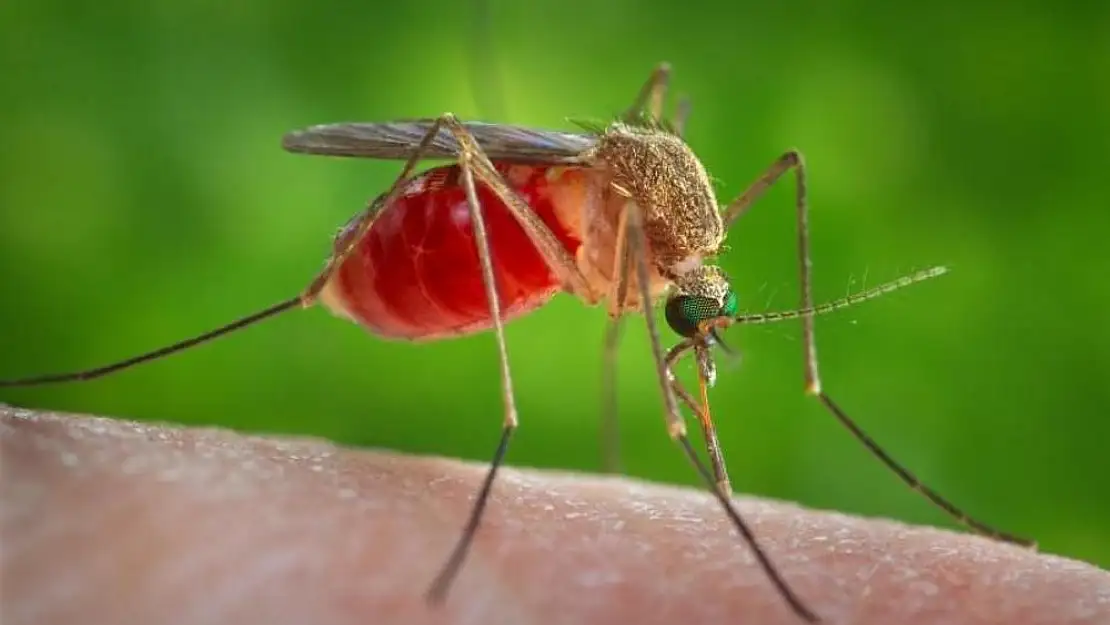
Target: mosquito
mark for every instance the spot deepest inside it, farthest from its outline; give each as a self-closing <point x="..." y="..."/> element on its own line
<point x="622" y="214"/>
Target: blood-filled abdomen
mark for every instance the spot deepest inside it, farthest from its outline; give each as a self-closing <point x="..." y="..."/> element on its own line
<point x="416" y="273"/>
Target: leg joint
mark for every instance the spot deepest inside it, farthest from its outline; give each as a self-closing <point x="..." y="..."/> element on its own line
<point x="792" y="158"/>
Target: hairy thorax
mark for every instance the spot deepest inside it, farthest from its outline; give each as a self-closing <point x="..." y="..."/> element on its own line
<point x="661" y="175"/>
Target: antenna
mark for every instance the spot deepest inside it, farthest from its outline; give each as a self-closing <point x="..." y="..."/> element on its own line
<point x="843" y="302"/>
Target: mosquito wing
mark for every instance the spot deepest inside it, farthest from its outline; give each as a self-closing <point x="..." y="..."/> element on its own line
<point x="397" y="140"/>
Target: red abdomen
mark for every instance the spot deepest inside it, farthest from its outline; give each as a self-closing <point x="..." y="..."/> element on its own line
<point x="416" y="273"/>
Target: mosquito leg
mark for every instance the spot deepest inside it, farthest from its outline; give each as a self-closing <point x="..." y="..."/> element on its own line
<point x="610" y="406"/>
<point x="554" y="254"/>
<point x="792" y="160"/>
<point x="756" y="189"/>
<point x="709" y="430"/>
<point x="651" y="96"/>
<point x="701" y="410"/>
<point x="97" y="372"/>
<point x="653" y="93"/>
<point x="558" y="259"/>
<point x="675" y="424"/>
<point x="618" y="295"/>
<point x="306" y="298"/>
<point x="681" y="115"/>
<point x="475" y="164"/>
<point x="439" y="587"/>
<point x="356" y="231"/>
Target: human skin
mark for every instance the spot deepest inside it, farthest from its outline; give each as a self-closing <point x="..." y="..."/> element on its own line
<point x="116" y="522"/>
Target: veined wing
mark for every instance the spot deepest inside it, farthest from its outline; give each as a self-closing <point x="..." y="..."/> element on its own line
<point x="398" y="139"/>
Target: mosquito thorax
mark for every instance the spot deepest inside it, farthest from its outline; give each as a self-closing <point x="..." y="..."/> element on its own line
<point x="656" y="169"/>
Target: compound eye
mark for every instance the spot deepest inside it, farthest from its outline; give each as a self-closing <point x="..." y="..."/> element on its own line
<point x="685" y="312"/>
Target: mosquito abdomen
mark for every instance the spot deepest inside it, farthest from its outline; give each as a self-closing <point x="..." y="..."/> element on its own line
<point x="416" y="273"/>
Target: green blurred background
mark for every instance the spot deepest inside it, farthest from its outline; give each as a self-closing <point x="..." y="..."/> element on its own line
<point x="144" y="197"/>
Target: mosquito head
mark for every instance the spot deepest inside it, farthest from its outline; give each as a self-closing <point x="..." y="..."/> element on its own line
<point x="702" y="293"/>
